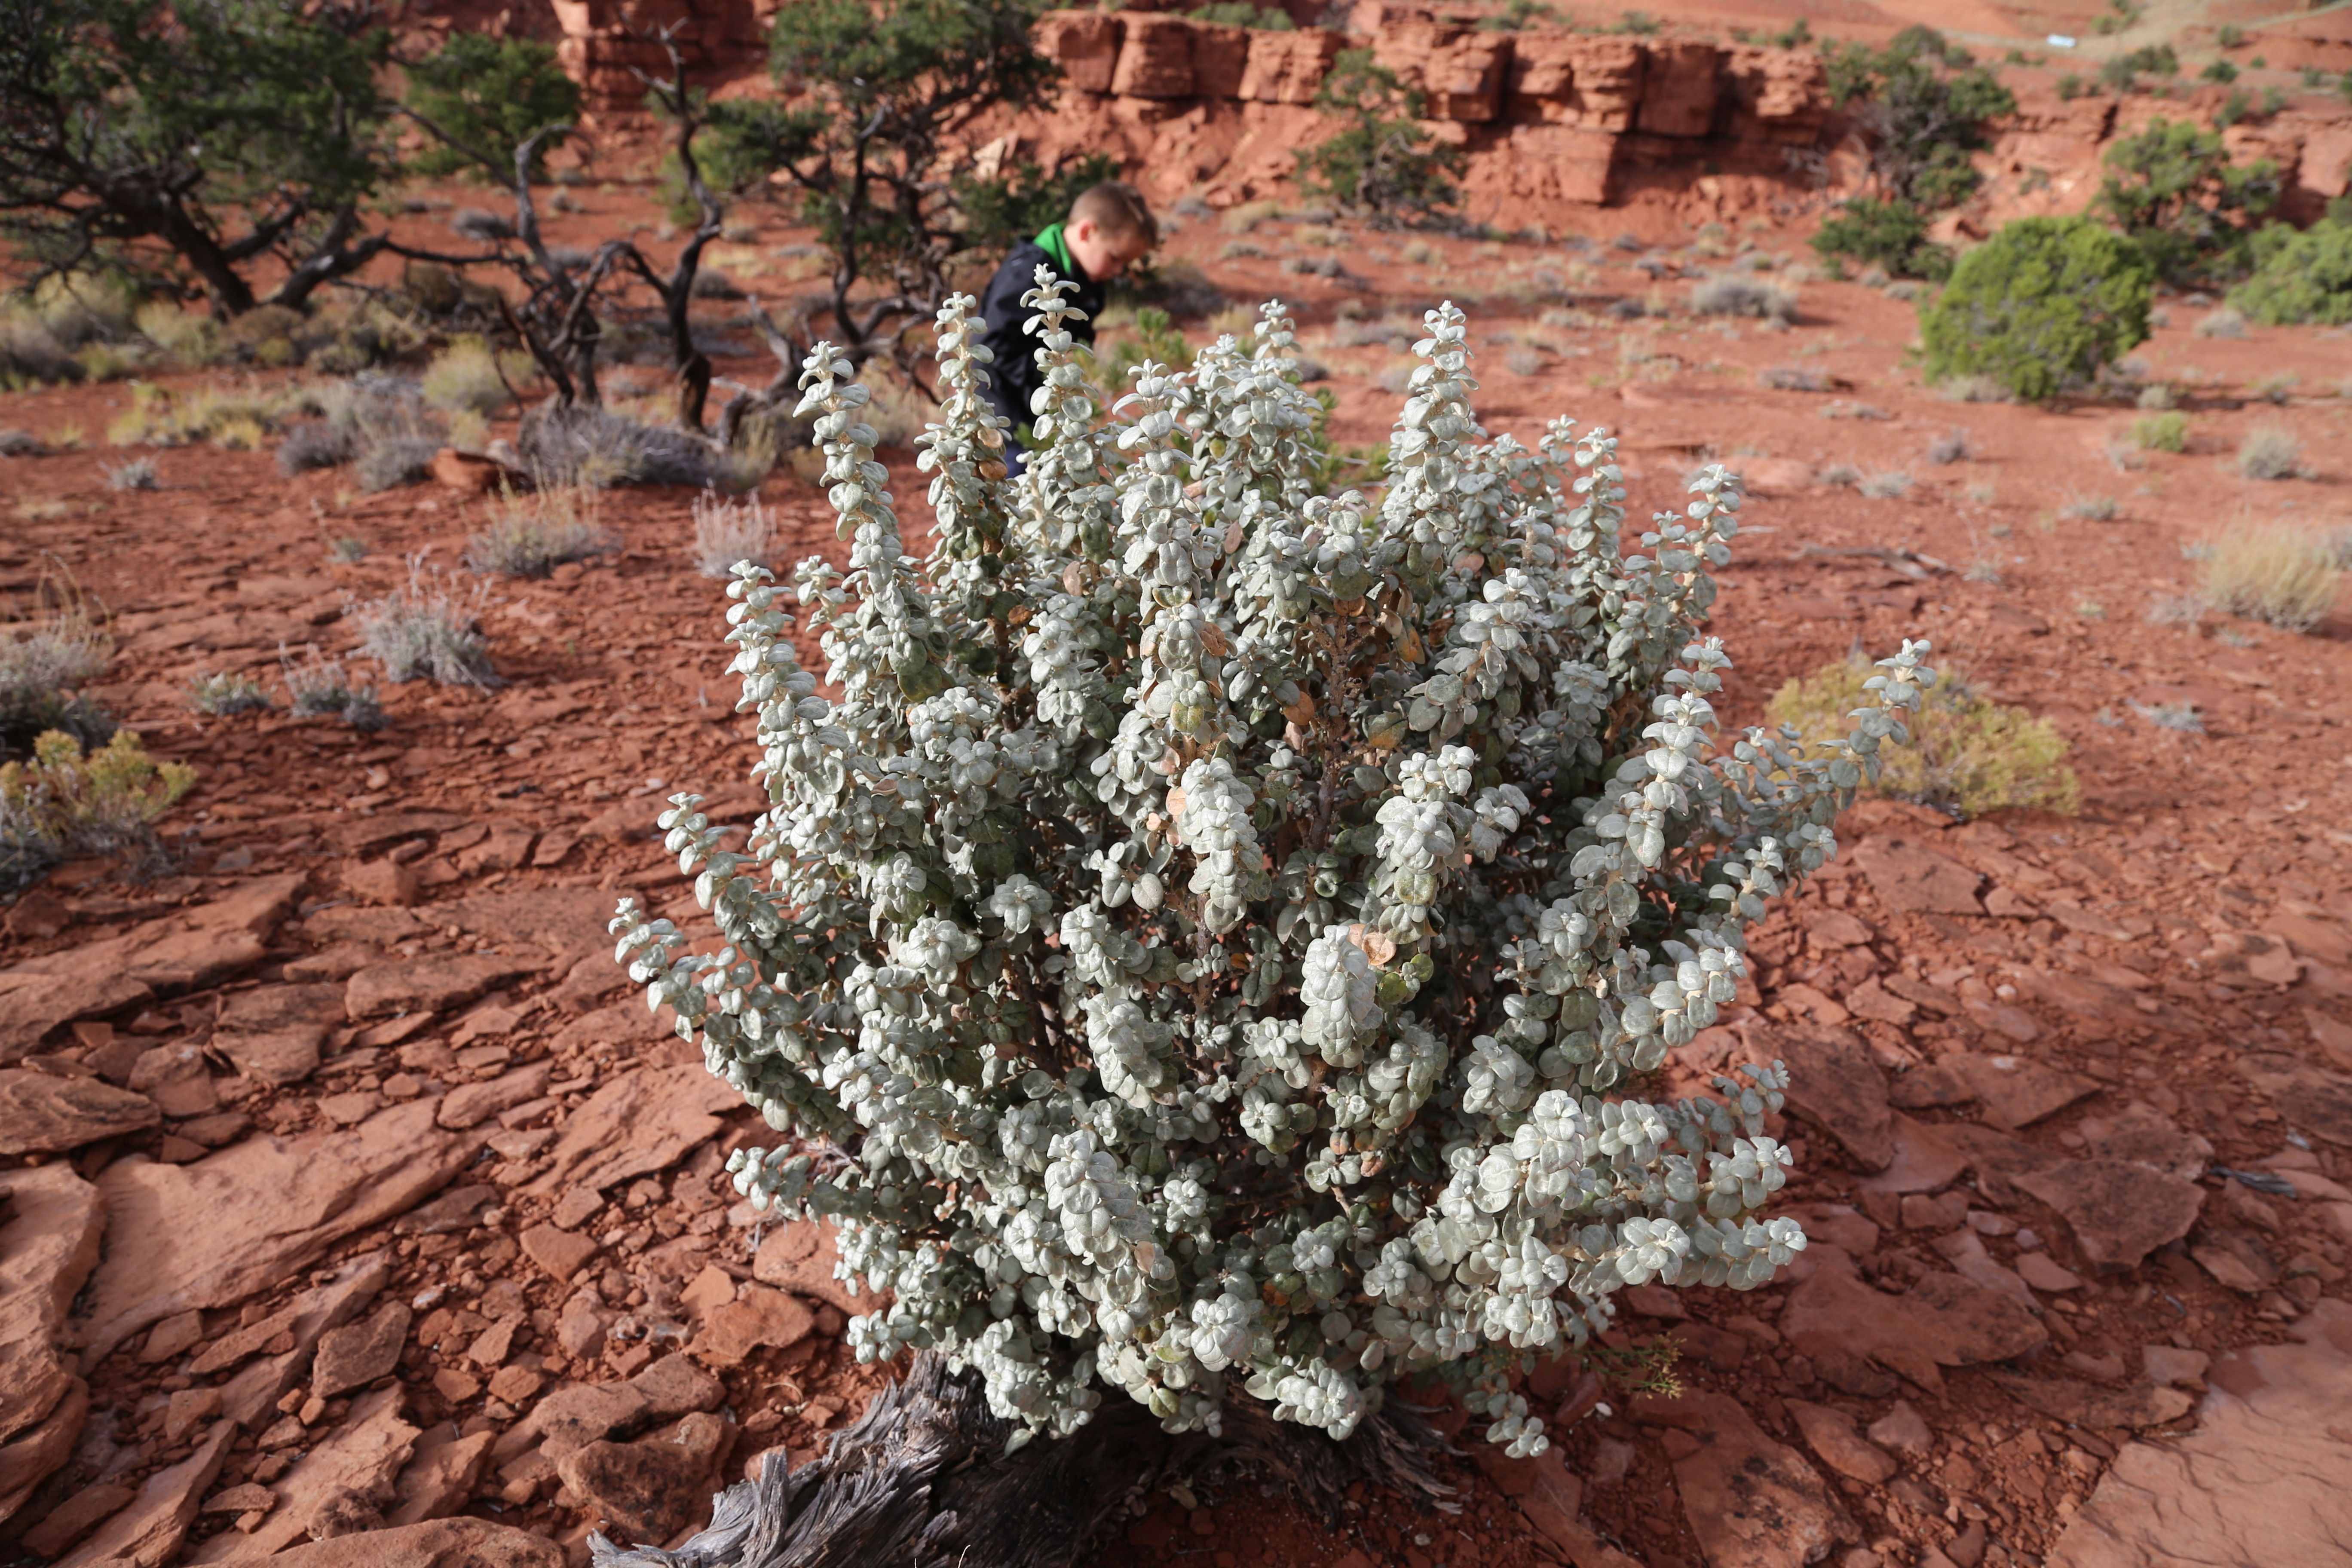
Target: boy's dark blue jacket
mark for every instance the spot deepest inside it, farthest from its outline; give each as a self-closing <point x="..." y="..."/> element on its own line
<point x="1012" y="375"/>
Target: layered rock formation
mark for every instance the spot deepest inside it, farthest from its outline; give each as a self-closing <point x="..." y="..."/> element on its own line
<point x="1676" y="87"/>
<point x="1548" y="120"/>
<point x="605" y="43"/>
<point x="1553" y="123"/>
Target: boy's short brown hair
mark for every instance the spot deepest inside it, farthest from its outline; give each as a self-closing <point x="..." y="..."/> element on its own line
<point x="1120" y="208"/>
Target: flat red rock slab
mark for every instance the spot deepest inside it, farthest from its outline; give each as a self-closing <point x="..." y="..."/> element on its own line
<point x="1834" y="1084"/>
<point x="2119" y="1212"/>
<point x="1909" y="877"/>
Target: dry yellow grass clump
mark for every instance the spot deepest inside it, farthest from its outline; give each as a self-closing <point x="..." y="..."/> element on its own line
<point x="2274" y="572"/>
<point x="1971" y="754"/>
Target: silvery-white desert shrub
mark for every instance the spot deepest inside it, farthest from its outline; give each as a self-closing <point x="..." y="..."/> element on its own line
<point x="1209" y="945"/>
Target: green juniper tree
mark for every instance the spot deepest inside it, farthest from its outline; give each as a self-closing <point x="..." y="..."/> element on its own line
<point x="493" y="94"/>
<point x="215" y="139"/>
<point x="1382" y="159"/>
<point x="878" y="85"/>
<point x="2042" y="306"/>
<point x="1925" y="104"/>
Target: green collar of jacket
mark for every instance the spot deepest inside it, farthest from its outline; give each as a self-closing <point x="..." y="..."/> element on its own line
<point x="1056" y="243"/>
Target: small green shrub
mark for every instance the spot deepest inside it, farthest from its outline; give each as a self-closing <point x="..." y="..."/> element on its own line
<point x="1517" y="17"/>
<point x="2301" y="276"/>
<point x="1925" y="104"/>
<point x="2045" y="302"/>
<point x="492" y="93"/>
<point x="64" y="801"/>
<point x="2161" y="432"/>
<point x="1970" y="754"/>
<point x="1273" y="19"/>
<point x="2123" y="72"/>
<point x="1382" y="159"/>
<point x="2276" y="574"/>
<point x="1892" y="236"/>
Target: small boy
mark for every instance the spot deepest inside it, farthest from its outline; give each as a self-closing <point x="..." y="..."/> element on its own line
<point x="1108" y="230"/>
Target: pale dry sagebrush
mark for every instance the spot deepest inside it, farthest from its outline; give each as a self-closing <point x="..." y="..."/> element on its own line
<point x="1196" y="950"/>
<point x="727" y="531"/>
<point x="426" y="631"/>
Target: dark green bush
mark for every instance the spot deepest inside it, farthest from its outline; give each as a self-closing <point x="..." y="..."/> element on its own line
<point x="1242" y="14"/>
<point x="1924" y="101"/>
<point x="2301" y="276"/>
<point x="864" y="147"/>
<point x="1519" y="16"/>
<point x="2173" y="190"/>
<point x="1889" y="235"/>
<point x="229" y="144"/>
<point x="2045" y="302"/>
<point x="493" y="94"/>
<point x="2123" y="72"/>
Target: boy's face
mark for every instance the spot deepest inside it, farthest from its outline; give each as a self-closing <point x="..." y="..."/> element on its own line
<point x="1104" y="254"/>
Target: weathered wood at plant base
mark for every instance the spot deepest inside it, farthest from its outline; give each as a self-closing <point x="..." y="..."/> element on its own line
<point x="922" y="1478"/>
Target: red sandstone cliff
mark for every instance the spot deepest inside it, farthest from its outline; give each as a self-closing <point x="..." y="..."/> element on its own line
<point x="1553" y="123"/>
